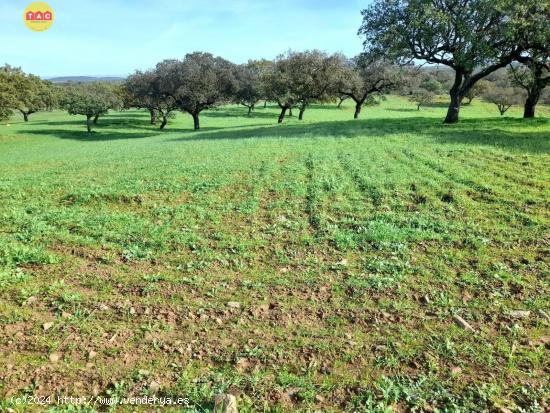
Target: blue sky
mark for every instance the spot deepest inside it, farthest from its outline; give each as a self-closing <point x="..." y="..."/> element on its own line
<point x="112" y="38"/>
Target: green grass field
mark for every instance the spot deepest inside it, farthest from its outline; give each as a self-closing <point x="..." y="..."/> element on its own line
<point x="350" y="247"/>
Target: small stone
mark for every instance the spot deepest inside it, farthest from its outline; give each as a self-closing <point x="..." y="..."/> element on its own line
<point x="103" y="307"/>
<point x="65" y="314"/>
<point x="154" y="386"/>
<point x="319" y="398"/>
<point x="463" y="323"/>
<point x="92" y="354"/>
<point x="30" y="300"/>
<point x="132" y="310"/>
<point x="343" y="262"/>
<point x="47" y="326"/>
<point x="218" y="320"/>
<point x="242" y="364"/>
<point x="55" y="357"/>
<point x="234" y="304"/>
<point x="456" y="370"/>
<point x="425" y="300"/>
<point x="544" y="315"/>
<point x="225" y="403"/>
<point x="520" y="314"/>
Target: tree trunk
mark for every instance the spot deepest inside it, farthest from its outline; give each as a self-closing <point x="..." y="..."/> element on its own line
<point x="249" y="110"/>
<point x="417" y="107"/>
<point x="340" y="103"/>
<point x="164" y="122"/>
<point x="153" y="115"/>
<point x="95" y="119"/>
<point x="282" y="115"/>
<point x="534" y="90"/>
<point x="89" y="123"/>
<point x="503" y="109"/>
<point x="302" y="110"/>
<point x="289" y="111"/>
<point x="196" y="124"/>
<point x="25" y="116"/>
<point x="358" y="106"/>
<point x="533" y="96"/>
<point x="454" y="108"/>
<point x="456" y="93"/>
<point x="529" y="109"/>
<point x="265" y="104"/>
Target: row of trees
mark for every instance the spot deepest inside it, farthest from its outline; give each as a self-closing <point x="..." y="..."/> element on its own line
<point x="293" y="80"/>
<point x="28" y="94"/>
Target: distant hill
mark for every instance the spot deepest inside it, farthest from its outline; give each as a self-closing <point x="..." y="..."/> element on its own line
<point x="84" y="79"/>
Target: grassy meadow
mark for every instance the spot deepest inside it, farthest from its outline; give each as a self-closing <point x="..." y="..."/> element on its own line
<point x="310" y="266"/>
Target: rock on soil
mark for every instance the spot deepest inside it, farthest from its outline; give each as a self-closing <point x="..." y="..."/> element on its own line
<point x="463" y="323"/>
<point x="234" y="304"/>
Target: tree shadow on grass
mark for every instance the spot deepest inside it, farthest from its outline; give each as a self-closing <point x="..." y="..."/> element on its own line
<point x="59" y="122"/>
<point x="495" y="132"/>
<point x="115" y="124"/>
<point x="498" y="132"/>
<point x="95" y="136"/>
<point x="111" y="119"/>
<point x="102" y="132"/>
